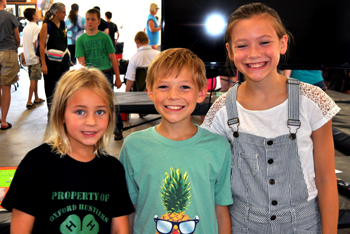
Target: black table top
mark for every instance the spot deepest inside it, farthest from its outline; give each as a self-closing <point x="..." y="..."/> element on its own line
<point x="138" y="102"/>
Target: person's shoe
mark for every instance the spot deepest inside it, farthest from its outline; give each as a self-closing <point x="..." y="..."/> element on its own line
<point x="39" y="100"/>
<point x="30" y="106"/>
<point x="118" y="136"/>
<point x="9" y="125"/>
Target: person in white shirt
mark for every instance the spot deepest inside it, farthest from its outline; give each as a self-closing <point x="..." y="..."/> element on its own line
<point x="143" y="57"/>
<point x="30" y="35"/>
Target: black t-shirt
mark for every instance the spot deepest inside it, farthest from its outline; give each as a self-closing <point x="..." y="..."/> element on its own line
<point x="103" y="25"/>
<point x="112" y="30"/>
<point x="65" y="195"/>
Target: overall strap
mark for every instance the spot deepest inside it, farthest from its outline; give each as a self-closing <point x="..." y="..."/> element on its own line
<point x="231" y="109"/>
<point x="293" y="122"/>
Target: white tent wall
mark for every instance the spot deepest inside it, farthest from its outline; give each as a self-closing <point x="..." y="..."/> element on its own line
<point x="129" y="15"/>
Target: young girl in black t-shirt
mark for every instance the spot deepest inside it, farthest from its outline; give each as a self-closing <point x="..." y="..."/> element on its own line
<point x="70" y="184"/>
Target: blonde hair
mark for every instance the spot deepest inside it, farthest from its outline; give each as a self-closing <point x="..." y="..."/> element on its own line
<point x="57" y="6"/>
<point x="141" y="37"/>
<point x="253" y="9"/>
<point x="67" y="86"/>
<point x="172" y="62"/>
<point x="153" y="7"/>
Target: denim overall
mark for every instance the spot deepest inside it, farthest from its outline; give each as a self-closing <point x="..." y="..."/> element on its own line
<point x="267" y="181"/>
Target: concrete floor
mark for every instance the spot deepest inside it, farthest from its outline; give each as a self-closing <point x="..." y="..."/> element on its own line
<point x="29" y="126"/>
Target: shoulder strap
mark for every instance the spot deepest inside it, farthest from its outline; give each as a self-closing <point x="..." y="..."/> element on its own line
<point x="293" y="122"/>
<point x="231" y="110"/>
<point x="48" y="27"/>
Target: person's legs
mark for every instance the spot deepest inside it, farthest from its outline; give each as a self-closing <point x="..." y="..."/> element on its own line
<point x="35" y="76"/>
<point x="5" y="104"/>
<point x="9" y="68"/>
<point x="36" y="96"/>
<point x="31" y="91"/>
<point x="50" y="81"/>
<point x="31" y="88"/>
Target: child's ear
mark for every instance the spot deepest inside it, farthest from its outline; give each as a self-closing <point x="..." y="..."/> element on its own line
<point x="284" y="44"/>
<point x="150" y="93"/>
<point x="202" y="94"/>
<point x="229" y="51"/>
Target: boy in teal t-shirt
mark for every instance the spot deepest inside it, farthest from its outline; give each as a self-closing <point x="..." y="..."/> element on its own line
<point x="178" y="174"/>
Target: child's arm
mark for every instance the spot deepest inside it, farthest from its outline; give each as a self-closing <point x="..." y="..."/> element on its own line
<point x="131" y="221"/>
<point x="81" y="61"/>
<point x="42" y="39"/>
<point x="224" y="219"/>
<point x="326" y="181"/>
<point x="118" y="82"/>
<point x="120" y="225"/>
<point x="21" y="222"/>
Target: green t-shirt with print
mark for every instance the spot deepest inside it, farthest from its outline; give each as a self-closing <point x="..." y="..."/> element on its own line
<point x="177" y="180"/>
<point x="95" y="49"/>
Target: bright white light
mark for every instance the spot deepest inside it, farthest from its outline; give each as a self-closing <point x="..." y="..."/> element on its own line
<point x="215" y="24"/>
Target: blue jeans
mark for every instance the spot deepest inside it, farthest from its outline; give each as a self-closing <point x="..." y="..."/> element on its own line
<point x="118" y="119"/>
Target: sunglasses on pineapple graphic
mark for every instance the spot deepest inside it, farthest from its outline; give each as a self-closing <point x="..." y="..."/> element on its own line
<point x="184" y="227"/>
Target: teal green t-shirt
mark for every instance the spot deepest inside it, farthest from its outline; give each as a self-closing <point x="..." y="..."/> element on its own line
<point x="95" y="49"/>
<point x="307" y="76"/>
<point x="204" y="160"/>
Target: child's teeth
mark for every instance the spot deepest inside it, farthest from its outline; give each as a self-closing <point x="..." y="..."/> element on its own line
<point x="256" y="65"/>
<point x="174" y="107"/>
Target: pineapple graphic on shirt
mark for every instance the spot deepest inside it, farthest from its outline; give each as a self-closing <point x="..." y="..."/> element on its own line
<point x="175" y="195"/>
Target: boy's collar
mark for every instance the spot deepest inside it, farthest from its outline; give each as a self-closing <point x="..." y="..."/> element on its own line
<point x="92" y="33"/>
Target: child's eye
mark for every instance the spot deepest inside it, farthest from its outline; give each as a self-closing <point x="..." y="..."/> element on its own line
<point x="241" y="46"/>
<point x="185" y="87"/>
<point x="265" y="43"/>
<point x="100" y="112"/>
<point x="162" y="87"/>
<point x="79" y="112"/>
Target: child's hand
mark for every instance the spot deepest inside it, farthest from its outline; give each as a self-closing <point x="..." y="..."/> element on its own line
<point x="44" y="69"/>
<point x="118" y="83"/>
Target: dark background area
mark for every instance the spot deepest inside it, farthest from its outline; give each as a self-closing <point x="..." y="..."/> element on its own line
<point x="320" y="29"/>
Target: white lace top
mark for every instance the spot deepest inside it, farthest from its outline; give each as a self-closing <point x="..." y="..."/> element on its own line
<point x="316" y="109"/>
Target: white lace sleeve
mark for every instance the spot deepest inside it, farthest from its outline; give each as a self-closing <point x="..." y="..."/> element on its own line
<point x="209" y="118"/>
<point x="325" y="104"/>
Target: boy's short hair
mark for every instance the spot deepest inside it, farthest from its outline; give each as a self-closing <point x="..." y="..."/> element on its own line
<point x="108" y="14"/>
<point x="68" y="85"/>
<point x="172" y="62"/>
<point x="141" y="37"/>
<point x="94" y="11"/>
<point x="28" y="13"/>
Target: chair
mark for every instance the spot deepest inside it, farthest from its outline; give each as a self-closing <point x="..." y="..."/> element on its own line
<point x="140" y="86"/>
<point x="140" y="79"/>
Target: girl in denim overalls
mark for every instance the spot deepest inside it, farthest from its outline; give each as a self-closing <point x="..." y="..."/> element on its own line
<point x="283" y="178"/>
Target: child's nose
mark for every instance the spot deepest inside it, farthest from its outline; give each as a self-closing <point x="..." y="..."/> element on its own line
<point x="90" y="119"/>
<point x="173" y="93"/>
<point x="254" y="52"/>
